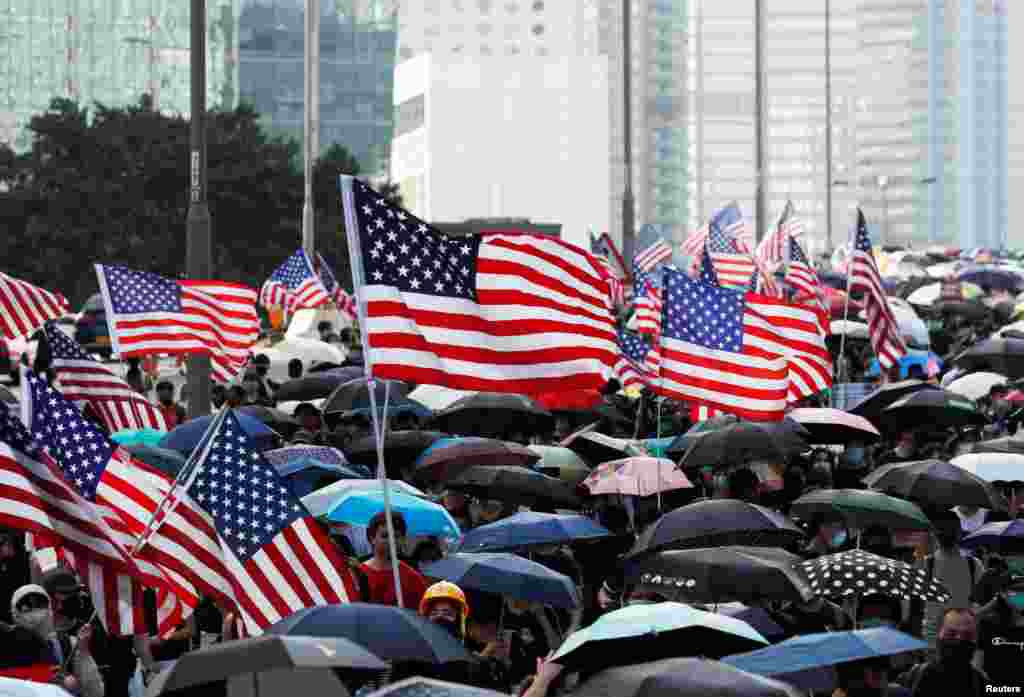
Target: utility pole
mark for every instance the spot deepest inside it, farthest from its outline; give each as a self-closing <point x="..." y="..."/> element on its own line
<point x="759" y="109"/>
<point x="828" y="127"/>
<point x="198" y="256"/>
<point x="311" y="121"/>
<point x="628" y="208"/>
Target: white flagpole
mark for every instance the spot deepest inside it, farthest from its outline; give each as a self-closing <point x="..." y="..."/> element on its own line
<point x="356" y="263"/>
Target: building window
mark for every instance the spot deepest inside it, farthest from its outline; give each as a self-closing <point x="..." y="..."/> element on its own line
<point x="538" y="6"/>
<point x="537" y="29"/>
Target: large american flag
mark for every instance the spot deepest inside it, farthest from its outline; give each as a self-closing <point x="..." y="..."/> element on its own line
<point x="25" y="307"/>
<point x="36" y="496"/>
<point x="712" y="352"/>
<point x="342" y="300"/>
<point x="496" y="312"/>
<point x="733" y="265"/>
<point x="885" y="332"/>
<point x="279" y="559"/>
<point x="85" y="381"/>
<point x="294" y="285"/>
<point x="149" y="314"/>
<point x="656" y="253"/>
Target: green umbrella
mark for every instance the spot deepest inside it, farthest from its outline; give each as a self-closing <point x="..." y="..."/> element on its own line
<point x="861" y="508"/>
<point x="143" y="436"/>
<point x="649" y="632"/>
<point x="561" y="462"/>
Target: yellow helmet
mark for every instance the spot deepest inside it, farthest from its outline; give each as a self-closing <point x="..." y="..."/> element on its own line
<point x="444" y="590"/>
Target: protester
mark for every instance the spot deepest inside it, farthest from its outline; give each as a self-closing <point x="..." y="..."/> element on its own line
<point x="135" y="377"/>
<point x="378" y="568"/>
<point x="295" y="369"/>
<point x="951" y="672"/>
<point x="236" y="397"/>
<point x="14" y="568"/>
<point x="1001" y="636"/>
<point x="173" y="413"/>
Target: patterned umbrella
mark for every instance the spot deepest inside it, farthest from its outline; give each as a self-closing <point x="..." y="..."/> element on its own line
<point x="860" y="573"/>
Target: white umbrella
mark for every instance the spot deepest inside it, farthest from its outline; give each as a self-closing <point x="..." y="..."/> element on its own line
<point x="309" y="351"/>
<point x="993" y="467"/>
<point x="853" y="330"/>
<point x="926" y="296"/>
<point x="944" y="269"/>
<point x="9" y="687"/>
<point x="976" y="385"/>
<point x="319" y="502"/>
<point x="1015" y="327"/>
<point x="437" y="397"/>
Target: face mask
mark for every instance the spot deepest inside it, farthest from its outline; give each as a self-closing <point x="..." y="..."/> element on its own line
<point x="1016" y="600"/>
<point x="838" y="539"/>
<point x="956" y="652"/>
<point x="451" y="626"/>
<point x="854" y="457"/>
<point x="38" y="621"/>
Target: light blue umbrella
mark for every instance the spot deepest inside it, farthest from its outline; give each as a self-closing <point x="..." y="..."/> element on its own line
<point x="144" y="436"/>
<point x="422" y="517"/>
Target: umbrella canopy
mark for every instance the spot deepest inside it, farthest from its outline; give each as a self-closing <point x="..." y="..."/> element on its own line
<point x="437" y="397"/>
<point x="422" y="517"/>
<point x="281" y="457"/>
<point x="860" y="573"/>
<point x="993" y="467"/>
<point x="930" y="294"/>
<point x="828" y="426"/>
<point x="167" y="461"/>
<point x="715" y="423"/>
<point x="316" y="385"/>
<point x="528" y="529"/>
<point x="935" y="409"/>
<point x="556" y="461"/>
<point x="756" y="616"/>
<point x="936" y="484"/>
<point x="390" y="633"/>
<point x="929" y="363"/>
<point x="976" y="385"/>
<point x="449" y="457"/>
<point x="852" y="330"/>
<point x="636" y="476"/>
<point x="992" y="277"/>
<point x="596" y="448"/>
<point x="186" y="437"/>
<point x="354" y="394"/>
<point x="1009" y="445"/>
<point x="509" y="575"/>
<point x="681" y="677"/>
<point x="275" y="418"/>
<point x="401" y="448"/>
<point x="871" y="406"/>
<point x="516" y="485"/>
<point x="143" y="436"/>
<point x="719" y="574"/>
<point x="799" y="660"/>
<point x="11" y="687"/>
<point x="744" y="442"/>
<point x="716" y="523"/>
<point x="861" y="509"/>
<point x="321" y="502"/>
<point x="293" y="655"/>
<point x="1005" y="537"/>
<point x="624" y="636"/>
<point x="1003" y="356"/>
<point x="483" y="411"/>
<point x="428" y="687"/>
<point x="973" y="310"/>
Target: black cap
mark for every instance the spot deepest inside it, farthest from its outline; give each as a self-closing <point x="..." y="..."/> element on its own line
<point x="261" y="359"/>
<point x="164" y="384"/>
<point x="60" y="580"/>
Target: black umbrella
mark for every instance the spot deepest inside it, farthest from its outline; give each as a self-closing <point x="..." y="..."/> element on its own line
<point x="275" y="418"/>
<point x="354" y="394"/>
<point x="401" y="448"/>
<point x="937" y="484"/>
<point x="682" y="677"/>
<point x="329" y="365"/>
<point x="394" y="634"/>
<point x="517" y="485"/>
<point x="1003" y="356"/>
<point x="282" y="662"/>
<point x="871" y="406"/>
<point x="722" y="574"/>
<point x="932" y="410"/>
<point x="970" y="309"/>
<point x="318" y="385"/>
<point x="449" y="457"/>
<point x="489" y="412"/>
<point x="596" y="448"/>
<point x="716" y="523"/>
<point x="429" y="687"/>
<point x="859" y="573"/>
<point x="745" y="442"/>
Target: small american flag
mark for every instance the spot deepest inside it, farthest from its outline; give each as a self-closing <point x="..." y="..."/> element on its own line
<point x="693" y="245"/>
<point x="653" y="255"/>
<point x="882" y="326"/>
<point x="149" y="314"/>
<point x="773" y="250"/>
<point x="497" y="312"/>
<point x="85" y="381"/>
<point x="801" y="276"/>
<point x="342" y="300"/>
<point x="710" y="357"/>
<point x="279" y="558"/>
<point x="294" y="285"/>
<point x="636" y="366"/>
<point x="733" y="266"/>
<point x="24" y="308"/>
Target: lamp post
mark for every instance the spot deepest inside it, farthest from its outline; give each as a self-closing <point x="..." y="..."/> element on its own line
<point x="311" y="121"/>
<point x="628" y="206"/>
<point x="828" y="126"/>
<point x="759" y="115"/>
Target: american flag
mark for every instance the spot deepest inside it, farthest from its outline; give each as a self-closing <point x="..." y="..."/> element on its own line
<point x="25" y="307"/>
<point x="653" y="255"/>
<point x="601" y="248"/>
<point x="733" y="266"/>
<point x="294" y="285"/>
<point x="711" y="357"/>
<point x="773" y="250"/>
<point x="279" y="558"/>
<point x="497" y="312"/>
<point x="647" y="310"/>
<point x="149" y="314"/>
<point x="636" y="366"/>
<point x="85" y="381"/>
<point x="36" y="496"/>
<point x="801" y="276"/>
<point x="885" y="332"/>
<point x="342" y="300"/>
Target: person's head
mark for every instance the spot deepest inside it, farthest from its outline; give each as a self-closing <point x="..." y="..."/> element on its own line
<point x="377" y="534"/>
<point x="32" y="609"/>
<point x="295" y="368"/>
<point x="218" y="395"/>
<point x="308" y="417"/>
<point x="492" y="510"/>
<point x="165" y="392"/>
<point x="958" y="637"/>
<point x="454" y="502"/>
<point x="261" y="362"/>
<point x="743" y="485"/>
<point x="251" y="385"/>
<point x="426" y="552"/>
<point x="877" y="609"/>
<point x="70" y="602"/>
<point x="346" y="336"/>
<point x="866" y="678"/>
<point x="10" y="544"/>
<point x="324" y="328"/>
<point x="445" y="604"/>
<point x="236" y="396"/>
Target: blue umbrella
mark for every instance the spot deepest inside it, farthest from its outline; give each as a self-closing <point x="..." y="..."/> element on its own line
<point x="1006" y="536"/>
<point x="993" y="277"/>
<point x="507" y="574"/>
<point x="358" y="506"/>
<point x="929" y="362"/>
<point x="807" y="661"/>
<point x="186" y="437"/>
<point x="526" y="529"/>
<point x="296" y="458"/>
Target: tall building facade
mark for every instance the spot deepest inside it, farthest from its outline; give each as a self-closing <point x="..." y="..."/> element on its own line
<point x="108" y="52"/>
<point x="357" y="61"/>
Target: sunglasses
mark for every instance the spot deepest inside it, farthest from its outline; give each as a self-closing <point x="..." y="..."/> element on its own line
<point x="33" y="602"/>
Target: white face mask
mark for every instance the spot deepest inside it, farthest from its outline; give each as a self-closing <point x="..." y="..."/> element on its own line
<point x="39" y="622"/>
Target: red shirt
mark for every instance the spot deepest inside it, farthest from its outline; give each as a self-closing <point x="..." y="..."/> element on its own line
<point x="173" y="414"/>
<point x="382" y="585"/>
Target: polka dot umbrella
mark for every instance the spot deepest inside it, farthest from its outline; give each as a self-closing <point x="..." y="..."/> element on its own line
<point x="858" y="573"/>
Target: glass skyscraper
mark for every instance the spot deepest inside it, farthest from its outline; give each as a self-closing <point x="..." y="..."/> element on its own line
<point x="108" y="52"/>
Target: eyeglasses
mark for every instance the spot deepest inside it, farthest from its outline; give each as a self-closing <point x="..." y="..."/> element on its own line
<point x="33" y="602"/>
